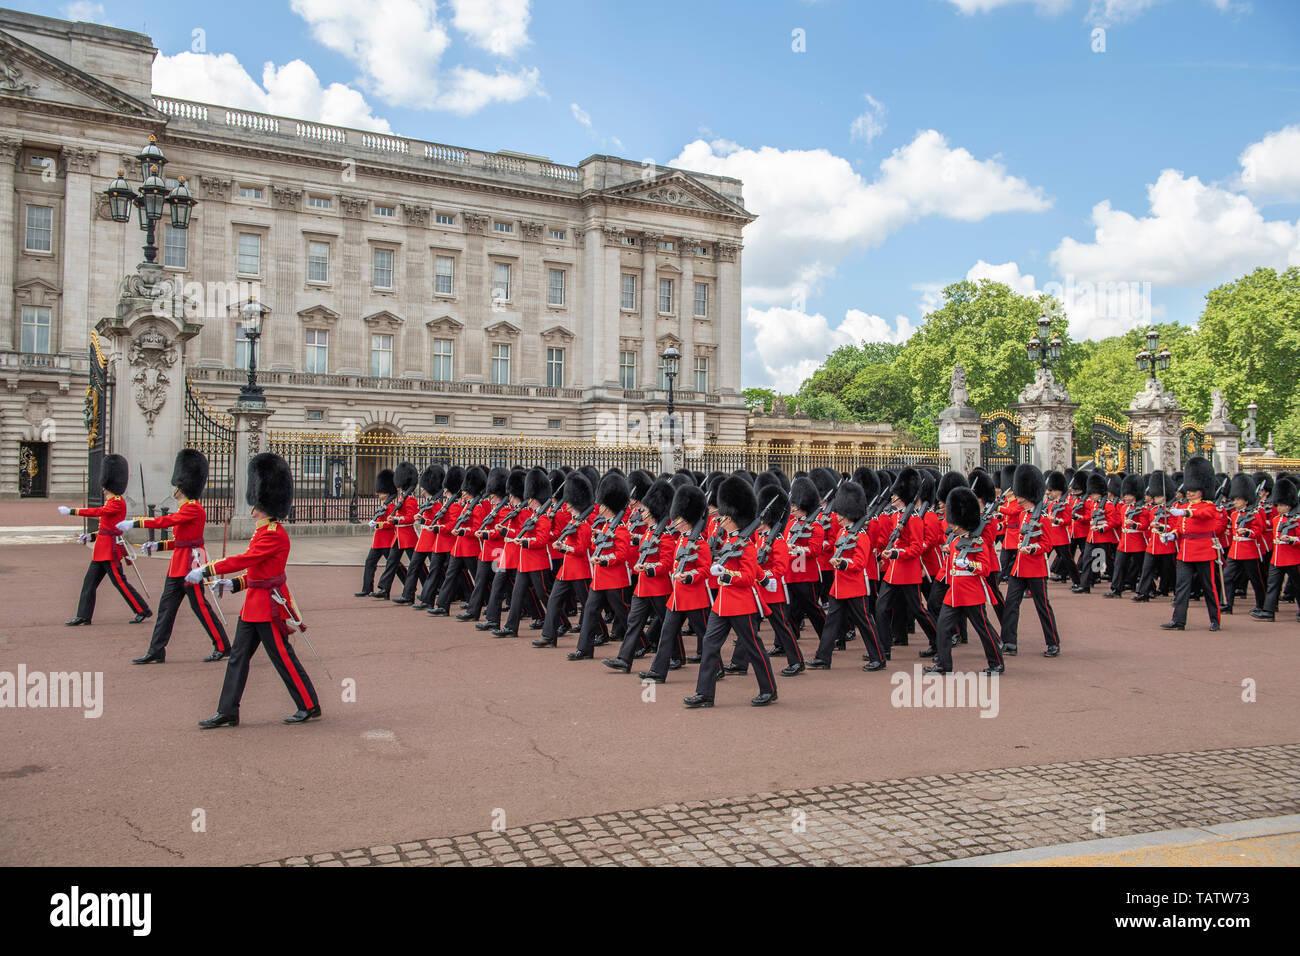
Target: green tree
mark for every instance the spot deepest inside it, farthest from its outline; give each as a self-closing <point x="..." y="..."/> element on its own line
<point x="758" y="399"/>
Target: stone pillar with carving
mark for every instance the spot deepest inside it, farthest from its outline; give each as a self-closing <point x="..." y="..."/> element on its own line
<point x="1157" y="420"/>
<point x="78" y="193"/>
<point x="148" y="335"/>
<point x="1225" y="435"/>
<point x="9" y="150"/>
<point x="250" y="440"/>
<point x="1047" y="412"/>
<point x="959" y="426"/>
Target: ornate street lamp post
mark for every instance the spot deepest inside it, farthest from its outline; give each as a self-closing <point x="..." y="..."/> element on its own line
<point x="251" y="316"/>
<point x="1040" y="349"/>
<point x="152" y="200"/>
<point x="1149" y="360"/>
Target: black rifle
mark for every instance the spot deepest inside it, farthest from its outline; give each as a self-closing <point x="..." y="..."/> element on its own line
<point x="466" y="513"/>
<point x="1032" y="530"/>
<point x="601" y="539"/>
<point x="898" y="528"/>
<point x="650" y="542"/>
<point x="482" y="531"/>
<point x="687" y="551"/>
<point x="735" y="547"/>
<point x="575" y="524"/>
<point x="849" y="538"/>
<point x="533" y="518"/>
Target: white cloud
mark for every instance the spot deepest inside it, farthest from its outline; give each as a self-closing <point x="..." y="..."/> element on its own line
<point x="791" y="345"/>
<point x="971" y="7"/>
<point x="399" y="45"/>
<point x="584" y="118"/>
<point x="581" y="115"/>
<point x="1105" y="13"/>
<point x="290" y="90"/>
<point x="498" y="26"/>
<point x="814" y="210"/>
<point x="1008" y="273"/>
<point x="1270" y="169"/>
<point x="85" y="12"/>
<point x="869" y="124"/>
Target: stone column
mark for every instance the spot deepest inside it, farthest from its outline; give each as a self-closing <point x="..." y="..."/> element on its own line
<point x="729" y="321"/>
<point x="686" y="320"/>
<point x="1156" y="419"/>
<point x="959" y="427"/>
<point x="649" y="309"/>
<point x="1048" y="413"/>
<point x="78" y="193"/>
<point x="250" y="440"/>
<point x="476" y="295"/>
<point x="148" y="336"/>
<point x="1225" y="435"/>
<point x="9" y="149"/>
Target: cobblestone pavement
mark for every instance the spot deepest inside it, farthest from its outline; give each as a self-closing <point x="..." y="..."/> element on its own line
<point x="891" y="822"/>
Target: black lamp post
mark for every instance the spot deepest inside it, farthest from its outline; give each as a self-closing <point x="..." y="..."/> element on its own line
<point x="153" y="199"/>
<point x="1149" y="360"/>
<point x="671" y="359"/>
<point x="1040" y="349"/>
<point x="251" y="316"/>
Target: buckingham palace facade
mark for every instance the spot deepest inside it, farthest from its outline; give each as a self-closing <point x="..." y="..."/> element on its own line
<point x="412" y="287"/>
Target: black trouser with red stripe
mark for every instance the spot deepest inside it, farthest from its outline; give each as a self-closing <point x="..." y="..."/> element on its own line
<point x="532" y="584"/>
<point x="896" y="599"/>
<point x="592" y="610"/>
<point x="1157" y="564"/>
<point x="671" y="647"/>
<point x="804" y="603"/>
<point x="393" y="567"/>
<point x="416" y="574"/>
<point x="174" y="591"/>
<point x="1065" y="566"/>
<point x="1037" y="588"/>
<point x="785" y="641"/>
<point x="90" y="584"/>
<point x="484" y="578"/>
<point x="750" y="648"/>
<point x="1242" y="571"/>
<point x="949" y="619"/>
<point x="438" y="561"/>
<point x="503" y="583"/>
<point x="1204" y="573"/>
<point x="934" y="604"/>
<point x="459" y="580"/>
<point x="1127" y="564"/>
<point x="1006" y="558"/>
<point x="248" y="635"/>
<point x="1276" y="575"/>
<point x="557" y="605"/>
<point x="842" y="611"/>
<point x="643" y="610"/>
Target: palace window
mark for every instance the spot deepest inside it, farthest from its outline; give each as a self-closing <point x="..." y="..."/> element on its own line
<point x="385" y="212"/>
<point x="381" y="356"/>
<point x="500" y="365"/>
<point x="241" y="348"/>
<point x="555" y="287"/>
<point x="442" y="419"/>
<point x="40" y="229"/>
<point x="627" y="369"/>
<point x="701" y="374"/>
<point x="702" y="299"/>
<point x="557" y="233"/>
<point x="503" y="227"/>
<point x="666" y="245"/>
<point x="442" y="356"/>
<point x="665" y="296"/>
<point x="555" y="368"/>
<point x="36" y="330"/>
<point x="444" y="268"/>
<point x="175" y="246"/>
<point x="627" y="292"/>
<point x="383" y="268"/>
<point x="663" y="375"/>
<point x="555" y="424"/>
<point x="250" y="254"/>
<point x="500" y="282"/>
<point x="318" y="262"/>
<point x="443" y="219"/>
<point x="629" y="240"/>
<point x="318" y="202"/>
<point x="250" y="192"/>
<point x="498" y="421"/>
<point x="315" y="414"/>
<point x="317" y="358"/>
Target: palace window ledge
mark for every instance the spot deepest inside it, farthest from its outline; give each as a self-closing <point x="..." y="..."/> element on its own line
<point x="43" y="361"/>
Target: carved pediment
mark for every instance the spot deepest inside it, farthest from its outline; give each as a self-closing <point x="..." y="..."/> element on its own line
<point x="502" y="329"/>
<point x="383" y="321"/>
<point x="676" y="188"/>
<point x="666" y="340"/>
<point x="444" y="325"/>
<point x="33" y="74"/>
<point x="36" y="292"/>
<point x="318" y="316"/>
<point x="557" y="333"/>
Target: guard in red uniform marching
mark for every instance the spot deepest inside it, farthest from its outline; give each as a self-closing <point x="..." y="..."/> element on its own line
<point x="405" y="536"/>
<point x="1102" y="521"/>
<point x="381" y="542"/>
<point x="465" y="548"/>
<point x="1058" y="527"/>
<point x="1286" y="547"/>
<point x="1133" y="523"/>
<point x="1161" y="543"/>
<point x="491" y="536"/>
<point x="532" y="537"/>
<point x="189" y="475"/>
<point x="852" y="551"/>
<point x="572" y="541"/>
<point x="689" y="601"/>
<point x="418" y="572"/>
<point x="611" y="555"/>
<point x="1029" y="566"/>
<point x="1245" y="562"/>
<point x="803" y="538"/>
<point x="654" y="583"/>
<point x="1195" y="524"/>
<point x="446" y="515"/>
<point x="109" y="552"/>
<point x="902" y="541"/>
<point x="269" y="613"/>
<point x="970" y="558"/>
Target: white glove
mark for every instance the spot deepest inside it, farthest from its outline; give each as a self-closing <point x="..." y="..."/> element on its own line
<point x="717" y="570"/>
<point x="771" y="585"/>
<point x="374" y="523"/>
<point x="149" y="547"/>
<point x="960" y="563"/>
<point x="1167" y="536"/>
<point x="126" y="525"/>
<point x="223" y="586"/>
<point x="64" y="510"/>
<point x="84" y="538"/>
<point x="194" y="577"/>
<point x="1178" y="512"/>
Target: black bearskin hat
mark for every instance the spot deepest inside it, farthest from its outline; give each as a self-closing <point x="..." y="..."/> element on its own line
<point x="1198" y="475"/>
<point x="1028" y="482"/>
<point x="906" y="485"/>
<point x="1242" y="486"/>
<point x="804" y="495"/>
<point x="639" y="483"/>
<point x="1133" y="485"/>
<point x="454" y="478"/>
<point x="773" y="506"/>
<point x="962" y="508"/>
<point x="405" y="476"/>
<point x="613" y="492"/>
<point x="657" y="499"/>
<point x="384" y="482"/>
<point x="1221" y="483"/>
<point x="686" y="473"/>
<point x="688" y="504"/>
<point x="737" y="501"/>
<point x="869" y="483"/>
<point x="431" y="479"/>
<point x="951" y="480"/>
<point x="270" y="485"/>
<point x="1284" y="493"/>
<point x="114" y="474"/>
<point x="850" y="501"/>
<point x="1055" y="481"/>
<point x="981" y="484"/>
<point x="824" y="479"/>
<point x="577" y="493"/>
<point x="928" y="484"/>
<point x="557" y="481"/>
<point x="766" y="480"/>
<point x="537" y="484"/>
<point x="1096" y="483"/>
<point x="1265" y="481"/>
<point x="699" y="478"/>
<point x="591" y="474"/>
<point x="515" y="483"/>
<point x="681" y="478"/>
<point x="1005" y="477"/>
<point x="475" y="481"/>
<point x="859" y="473"/>
<point x="1114" y="485"/>
<point x="1079" y="482"/>
<point x="190" y="473"/>
<point x="785" y="482"/>
<point x="496" y="483"/>
<point x="615" y="470"/>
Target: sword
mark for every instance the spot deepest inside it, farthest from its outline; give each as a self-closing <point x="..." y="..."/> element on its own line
<point x="301" y="628"/>
<point x="216" y="598"/>
<point x="130" y="559"/>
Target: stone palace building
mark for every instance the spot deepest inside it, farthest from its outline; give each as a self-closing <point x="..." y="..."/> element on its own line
<point x="412" y="287"/>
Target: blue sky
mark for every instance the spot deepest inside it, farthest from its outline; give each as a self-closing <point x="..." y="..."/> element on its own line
<point x="905" y="146"/>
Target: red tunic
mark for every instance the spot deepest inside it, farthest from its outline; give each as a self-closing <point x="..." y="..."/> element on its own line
<point x="404" y="522"/>
<point x="446" y="518"/>
<point x="1245" y="537"/>
<point x="618" y="555"/>
<point x="656" y="579"/>
<point x="736" y="594"/>
<point x="107" y="539"/>
<point x="534" y="554"/>
<point x="1196" y="531"/>
<point x="692" y="593"/>
<point x="966" y="586"/>
<point x="1285" y="553"/>
<point x="803" y="567"/>
<point x="1133" y="523"/>
<point x="851" y="580"/>
<point x="906" y="568"/>
<point x="266" y="557"/>
<point x="428" y="534"/>
<point x="383" y="536"/>
<point x="1032" y="562"/>
<point x="575" y="566"/>
<point x="465" y="544"/>
<point x="774" y="569"/>
<point x="187" y="526"/>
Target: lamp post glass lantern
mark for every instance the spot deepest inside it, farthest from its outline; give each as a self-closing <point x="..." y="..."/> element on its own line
<point x="1150" y="360"/>
<point x="153" y="199"/>
<point x="671" y="359"/>
<point x="250" y="319"/>
<point x="1040" y="349"/>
